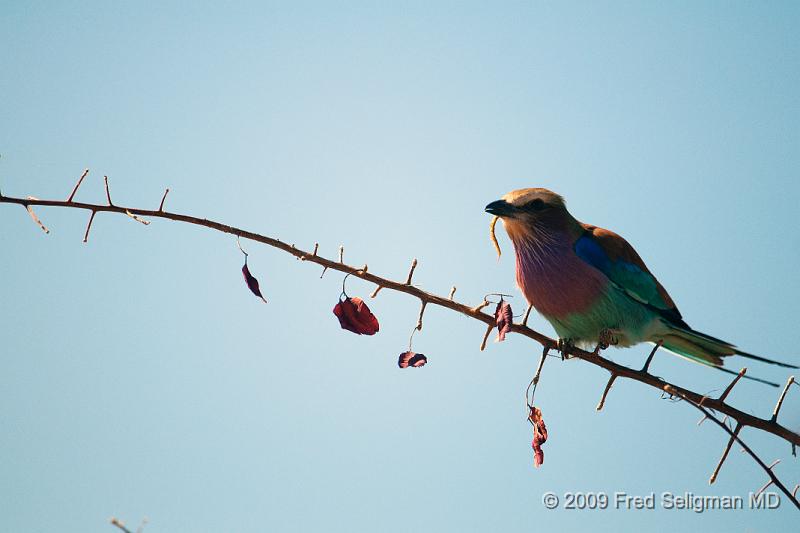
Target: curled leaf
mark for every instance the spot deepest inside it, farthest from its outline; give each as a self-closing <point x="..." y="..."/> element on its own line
<point x="539" y="435"/>
<point x="252" y="282"/>
<point x="355" y="316"/>
<point x="504" y="318"/>
<point x="412" y="359"/>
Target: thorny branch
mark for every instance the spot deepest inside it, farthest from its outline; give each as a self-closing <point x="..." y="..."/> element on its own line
<point x="704" y="403"/>
<point x="735" y="436"/>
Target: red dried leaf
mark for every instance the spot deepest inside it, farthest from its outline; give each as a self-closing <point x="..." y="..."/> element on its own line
<point x="355" y="316"/>
<point x="252" y="282"/>
<point x="412" y="359"/>
<point x="504" y="317"/>
<point x="539" y="435"/>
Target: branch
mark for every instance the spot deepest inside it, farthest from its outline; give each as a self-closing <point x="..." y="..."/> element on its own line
<point x="735" y="436"/>
<point x="743" y="418"/>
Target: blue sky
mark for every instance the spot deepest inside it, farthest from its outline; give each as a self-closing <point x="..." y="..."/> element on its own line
<point x="140" y="378"/>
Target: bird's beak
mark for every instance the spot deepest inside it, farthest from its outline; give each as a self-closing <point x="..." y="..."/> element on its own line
<point x="501" y="208"/>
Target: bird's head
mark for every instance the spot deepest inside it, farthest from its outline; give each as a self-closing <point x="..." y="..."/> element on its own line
<point x="532" y="214"/>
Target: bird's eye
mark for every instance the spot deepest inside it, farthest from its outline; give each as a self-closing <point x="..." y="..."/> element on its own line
<point x="535" y="205"/>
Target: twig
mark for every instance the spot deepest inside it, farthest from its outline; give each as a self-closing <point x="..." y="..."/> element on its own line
<point x="768" y="483"/>
<point x="421" y="312"/>
<point x="646" y="366"/>
<point x="121" y="525"/>
<point x="136" y="218"/>
<point x="527" y="314"/>
<point x="780" y="400"/>
<point x="539" y="368"/>
<point x="88" y="227"/>
<point x="481" y="306"/>
<point x="530" y="394"/>
<point x="743" y="417"/>
<point x="605" y="392"/>
<point x="725" y="452"/>
<point x="33" y="215"/>
<point x="729" y="388"/>
<point x="80" y="180"/>
<point x="486" y="336"/>
<point x="669" y="389"/>
<point x="108" y="192"/>
<point x="411" y="271"/>
<point x="161" y="205"/>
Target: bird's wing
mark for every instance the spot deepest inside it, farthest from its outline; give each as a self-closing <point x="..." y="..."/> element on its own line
<point x="614" y="257"/>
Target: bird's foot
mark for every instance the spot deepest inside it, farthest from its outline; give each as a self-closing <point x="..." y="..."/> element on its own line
<point x="608" y="337"/>
<point x="564" y="346"/>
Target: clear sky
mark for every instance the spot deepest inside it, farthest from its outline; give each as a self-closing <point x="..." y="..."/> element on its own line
<point x="140" y="378"/>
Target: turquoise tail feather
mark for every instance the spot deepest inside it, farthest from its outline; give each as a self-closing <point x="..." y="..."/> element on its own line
<point x="708" y="350"/>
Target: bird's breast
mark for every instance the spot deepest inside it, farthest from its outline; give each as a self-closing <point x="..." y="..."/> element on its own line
<point x="556" y="281"/>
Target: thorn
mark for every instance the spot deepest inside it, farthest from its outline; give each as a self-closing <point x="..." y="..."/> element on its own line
<point x="780" y="400"/>
<point x="80" y="180"/>
<point x="724" y="454"/>
<point x="325" y="269"/>
<point x="527" y="314"/>
<point x="108" y="193"/>
<point x="34" y="217"/>
<point x="411" y="272"/>
<point x="136" y="218"/>
<point x="646" y="366"/>
<point x="316" y="247"/>
<point x="421" y="312"/>
<point x="486" y="336"/>
<point x="605" y="392"/>
<point x="481" y="306"/>
<point x="161" y="205"/>
<point x="452" y="293"/>
<point x="89" y="226"/>
<point x="376" y="291"/>
<point x="341" y="254"/>
<point x="729" y="388"/>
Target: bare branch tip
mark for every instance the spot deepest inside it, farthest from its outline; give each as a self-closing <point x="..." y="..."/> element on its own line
<point x="108" y="192"/>
<point x="75" y="189"/>
<point x="411" y="272"/>
<point x="725" y="453"/>
<point x="34" y="217"/>
<point x="161" y="205"/>
<point x="136" y="218"/>
<point x="605" y="392"/>
<point x="486" y="336"/>
<point x="780" y="399"/>
<point x="89" y="226"/>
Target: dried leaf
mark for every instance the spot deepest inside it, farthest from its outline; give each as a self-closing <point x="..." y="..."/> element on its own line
<point x="411" y="359"/>
<point x="504" y="318"/>
<point x="355" y="316"/>
<point x="252" y="282"/>
<point x="539" y="435"/>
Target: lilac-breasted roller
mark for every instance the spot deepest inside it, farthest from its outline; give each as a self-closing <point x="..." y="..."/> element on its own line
<point x="592" y="286"/>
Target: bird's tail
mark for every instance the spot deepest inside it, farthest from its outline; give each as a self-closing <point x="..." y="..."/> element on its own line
<point x="708" y="350"/>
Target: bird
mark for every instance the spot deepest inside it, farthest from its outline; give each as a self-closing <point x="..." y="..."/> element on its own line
<point x="593" y="287"/>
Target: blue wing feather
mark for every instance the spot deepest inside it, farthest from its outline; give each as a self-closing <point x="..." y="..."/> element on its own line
<point x="636" y="282"/>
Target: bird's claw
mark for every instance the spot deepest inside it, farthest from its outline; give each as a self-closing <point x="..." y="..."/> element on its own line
<point x="564" y="346"/>
<point x="607" y="338"/>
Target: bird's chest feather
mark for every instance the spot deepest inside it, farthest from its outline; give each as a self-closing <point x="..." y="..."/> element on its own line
<point x="556" y="281"/>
